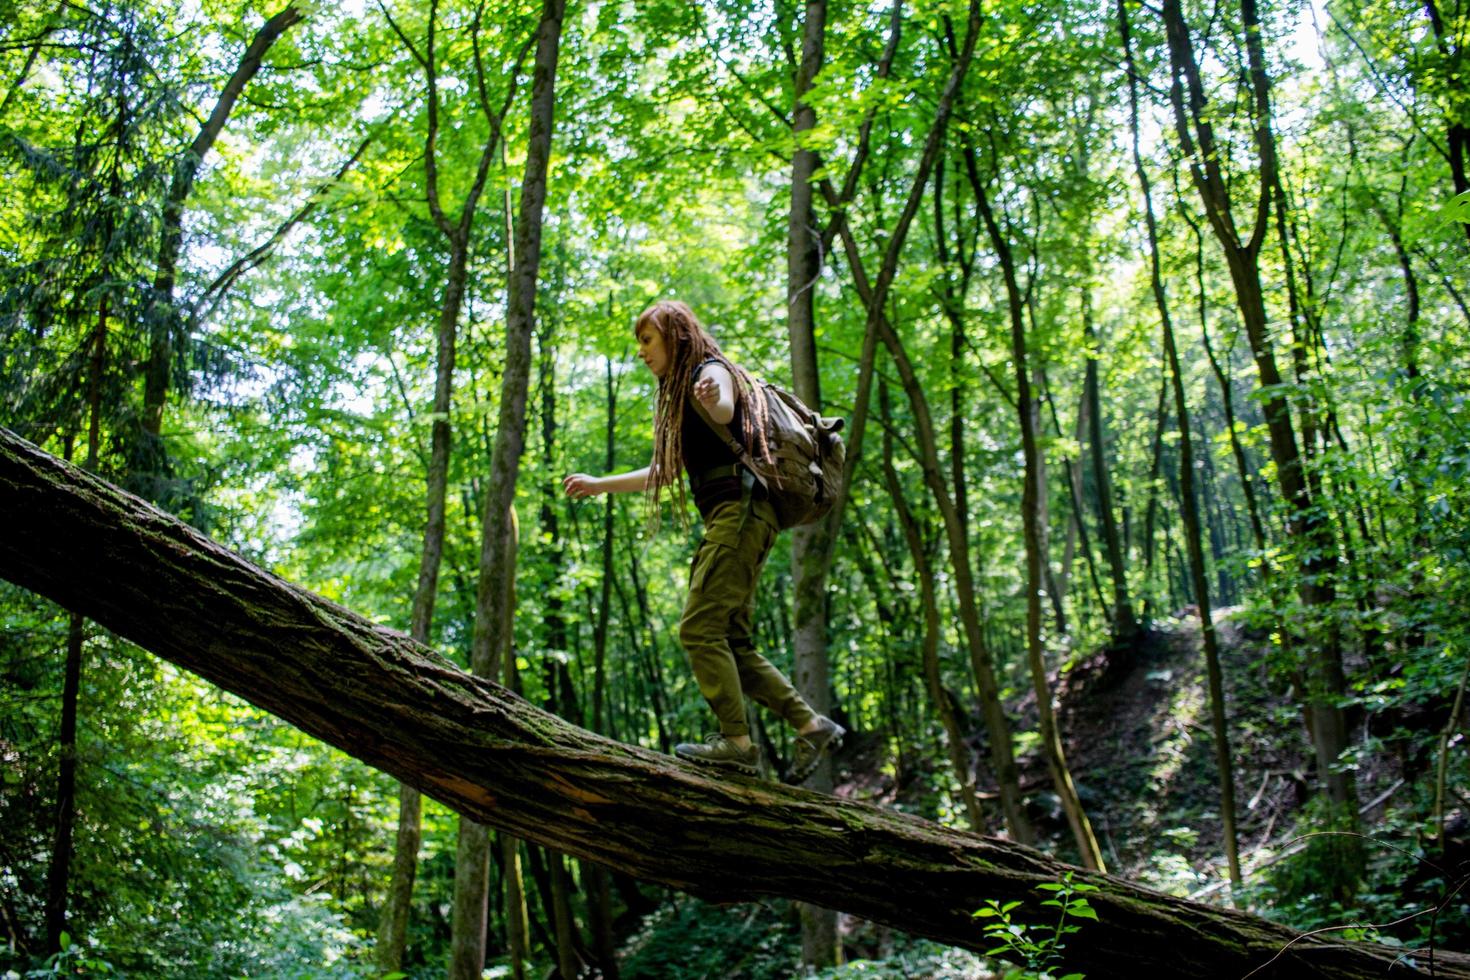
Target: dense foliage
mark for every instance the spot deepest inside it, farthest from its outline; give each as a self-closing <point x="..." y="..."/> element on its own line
<point x="244" y="323"/>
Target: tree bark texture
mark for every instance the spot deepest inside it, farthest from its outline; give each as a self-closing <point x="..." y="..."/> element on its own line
<point x="476" y="746"/>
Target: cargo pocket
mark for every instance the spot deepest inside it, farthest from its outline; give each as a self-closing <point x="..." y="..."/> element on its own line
<point x="699" y="566"/>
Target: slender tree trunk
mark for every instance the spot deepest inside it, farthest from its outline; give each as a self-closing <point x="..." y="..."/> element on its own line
<point x="874" y="297"/>
<point x="517" y="919"/>
<point x="393" y="927"/>
<point x="1151" y="510"/>
<point x="604" y="605"/>
<point x="1034" y="532"/>
<point x="958" y="751"/>
<point x="1237" y="448"/>
<point x="493" y="611"/>
<point x="561" y="693"/>
<point x="598" y="884"/>
<point x="810" y="544"/>
<point x="1415" y="638"/>
<point x="1077" y="531"/>
<point x="568" y="961"/>
<point x="1125" y="624"/>
<point x="1307" y="525"/>
<point x="1190" y="505"/>
<point x="58" y="882"/>
<point x="1455" y="98"/>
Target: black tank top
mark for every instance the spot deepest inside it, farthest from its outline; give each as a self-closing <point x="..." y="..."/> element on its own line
<point x="705" y="450"/>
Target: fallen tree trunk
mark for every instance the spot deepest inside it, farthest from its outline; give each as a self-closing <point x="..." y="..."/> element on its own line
<point x="396" y="705"/>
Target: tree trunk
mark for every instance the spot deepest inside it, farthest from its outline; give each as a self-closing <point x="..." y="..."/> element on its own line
<point x="1190" y="506"/>
<point x="1034" y="533"/>
<point x="58" y="881"/>
<point x="604" y="604"/>
<point x="381" y="697"/>
<point x="874" y="296"/>
<point x="1454" y="96"/>
<point x="1307" y="524"/>
<point x="1125" y="624"/>
<point x="810" y="544"/>
<point x="493" y="608"/>
<point x="568" y="959"/>
<point x="1151" y="510"/>
<point x="1077" y="533"/>
<point x="393" y="929"/>
<point x="517" y="918"/>
<point x="954" y="735"/>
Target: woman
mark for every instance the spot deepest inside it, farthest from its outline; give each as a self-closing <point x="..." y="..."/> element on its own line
<point x="697" y="386"/>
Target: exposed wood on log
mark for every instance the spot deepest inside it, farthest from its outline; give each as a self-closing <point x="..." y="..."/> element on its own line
<point x="396" y="705"/>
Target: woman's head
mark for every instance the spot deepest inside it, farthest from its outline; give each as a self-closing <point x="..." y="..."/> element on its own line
<point x="673" y="344"/>
<point x="672" y="341"/>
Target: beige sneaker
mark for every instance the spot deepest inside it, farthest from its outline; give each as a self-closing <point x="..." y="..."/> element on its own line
<point x="717" y="750"/>
<point x="810" y="748"/>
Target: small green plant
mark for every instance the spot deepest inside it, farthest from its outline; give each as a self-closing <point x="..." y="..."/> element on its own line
<point x="1038" y="948"/>
<point x="74" y="960"/>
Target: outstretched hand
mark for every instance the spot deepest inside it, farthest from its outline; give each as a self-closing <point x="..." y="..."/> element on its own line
<point x="580" y="485"/>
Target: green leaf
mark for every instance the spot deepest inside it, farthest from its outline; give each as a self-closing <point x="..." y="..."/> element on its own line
<point x="1458" y="209"/>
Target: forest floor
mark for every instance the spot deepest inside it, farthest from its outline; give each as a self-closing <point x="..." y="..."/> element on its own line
<point x="1139" y="742"/>
<point x="1141" y="748"/>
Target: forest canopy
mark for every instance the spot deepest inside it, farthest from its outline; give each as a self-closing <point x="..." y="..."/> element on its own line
<point x="1148" y="322"/>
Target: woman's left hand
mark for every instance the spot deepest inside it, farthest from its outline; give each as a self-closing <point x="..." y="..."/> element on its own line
<point x="707" y="390"/>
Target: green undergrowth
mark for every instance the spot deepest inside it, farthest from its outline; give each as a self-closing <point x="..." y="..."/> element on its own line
<point x="687" y="939"/>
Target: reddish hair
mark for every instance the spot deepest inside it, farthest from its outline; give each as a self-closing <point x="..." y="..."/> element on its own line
<point x="688" y="345"/>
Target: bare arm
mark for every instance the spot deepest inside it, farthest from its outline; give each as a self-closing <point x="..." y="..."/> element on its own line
<point x="715" y="390"/>
<point x="579" y="485"/>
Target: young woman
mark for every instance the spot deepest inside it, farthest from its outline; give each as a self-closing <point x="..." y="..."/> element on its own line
<point x="739" y="529"/>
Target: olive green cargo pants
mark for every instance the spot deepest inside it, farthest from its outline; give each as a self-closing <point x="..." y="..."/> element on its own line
<point x="716" y="626"/>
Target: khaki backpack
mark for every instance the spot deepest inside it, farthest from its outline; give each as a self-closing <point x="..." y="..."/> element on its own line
<point x="806" y="452"/>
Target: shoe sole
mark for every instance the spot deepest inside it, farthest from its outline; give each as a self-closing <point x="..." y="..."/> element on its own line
<point x="834" y="744"/>
<point x="734" y="767"/>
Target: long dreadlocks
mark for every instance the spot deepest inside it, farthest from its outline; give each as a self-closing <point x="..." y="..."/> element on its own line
<point x="688" y="345"/>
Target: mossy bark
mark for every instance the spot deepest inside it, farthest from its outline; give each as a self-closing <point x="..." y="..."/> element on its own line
<point x="476" y="746"/>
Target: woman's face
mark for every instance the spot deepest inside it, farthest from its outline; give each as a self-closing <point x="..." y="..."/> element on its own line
<point x="652" y="350"/>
